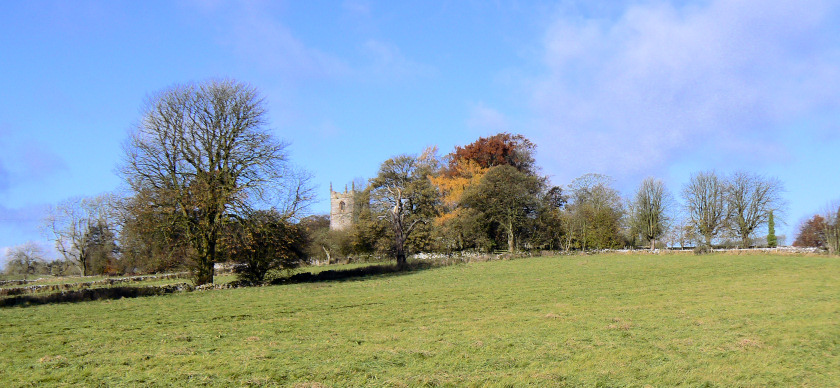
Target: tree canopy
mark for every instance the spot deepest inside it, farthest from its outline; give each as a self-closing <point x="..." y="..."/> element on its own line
<point x="202" y="152"/>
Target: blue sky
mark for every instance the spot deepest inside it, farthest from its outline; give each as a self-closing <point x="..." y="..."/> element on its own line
<point x="625" y="88"/>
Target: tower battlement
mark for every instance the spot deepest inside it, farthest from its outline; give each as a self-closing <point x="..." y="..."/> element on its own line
<point x="341" y="208"/>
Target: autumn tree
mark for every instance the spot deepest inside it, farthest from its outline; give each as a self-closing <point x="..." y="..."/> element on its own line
<point x="705" y="204"/>
<point x="750" y="199"/>
<point x="649" y="210"/>
<point x="457" y="227"/>
<point x="506" y="196"/>
<point x="402" y="194"/>
<point x="497" y="150"/>
<point x="812" y="233"/>
<point x="201" y="152"/>
<point x="461" y="227"/>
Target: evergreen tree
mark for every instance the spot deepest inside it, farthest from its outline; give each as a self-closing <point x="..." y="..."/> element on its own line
<point x="772" y="242"/>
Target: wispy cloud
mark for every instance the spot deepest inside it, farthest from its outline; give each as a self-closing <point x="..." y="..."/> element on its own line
<point x="256" y="34"/>
<point x="486" y="119"/>
<point x="630" y="92"/>
<point x="356" y="8"/>
<point x="25" y="160"/>
<point x="388" y="62"/>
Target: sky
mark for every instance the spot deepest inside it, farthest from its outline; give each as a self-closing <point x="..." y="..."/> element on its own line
<point x="630" y="89"/>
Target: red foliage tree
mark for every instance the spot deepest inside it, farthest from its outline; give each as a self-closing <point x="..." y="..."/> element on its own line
<point x="497" y="150"/>
<point x="811" y="233"/>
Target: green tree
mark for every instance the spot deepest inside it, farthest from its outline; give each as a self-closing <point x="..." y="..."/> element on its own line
<point x="547" y="228"/>
<point x="507" y="197"/>
<point x="593" y="219"/>
<point x="772" y="242"/>
<point x="102" y="249"/>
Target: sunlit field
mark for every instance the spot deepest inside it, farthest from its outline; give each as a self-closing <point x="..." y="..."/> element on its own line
<point x="599" y="320"/>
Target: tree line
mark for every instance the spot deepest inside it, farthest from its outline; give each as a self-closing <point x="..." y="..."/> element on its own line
<point x="207" y="182"/>
<point x="490" y="196"/>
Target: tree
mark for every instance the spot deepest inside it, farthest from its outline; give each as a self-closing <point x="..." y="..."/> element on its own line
<point x="201" y="153"/>
<point x="649" y="210"/>
<point x="150" y="238"/>
<point x="264" y="241"/>
<point x="497" y="150"/>
<point x="832" y="228"/>
<point x="24" y="259"/>
<point x="772" y="241"/>
<point x="751" y="199"/>
<point x="71" y="223"/>
<point x="593" y="218"/>
<point x="812" y="233"/>
<point x="705" y="203"/>
<point x="402" y="194"/>
<point x="506" y="196"/>
<point x="547" y="228"/>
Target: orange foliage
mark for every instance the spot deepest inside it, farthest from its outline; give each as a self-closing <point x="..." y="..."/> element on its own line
<point x="452" y="186"/>
<point x="497" y="150"/>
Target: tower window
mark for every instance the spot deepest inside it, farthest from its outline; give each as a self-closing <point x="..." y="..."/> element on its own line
<point x="341" y="206"/>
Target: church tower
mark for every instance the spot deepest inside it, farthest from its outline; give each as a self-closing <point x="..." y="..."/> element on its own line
<point x="341" y="208"/>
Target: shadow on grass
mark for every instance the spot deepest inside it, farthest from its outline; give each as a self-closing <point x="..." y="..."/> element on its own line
<point x="354" y="273"/>
<point x="106" y="293"/>
<point x="90" y="294"/>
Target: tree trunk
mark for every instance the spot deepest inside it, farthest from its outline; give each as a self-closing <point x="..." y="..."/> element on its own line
<point x="510" y="236"/>
<point x="204" y="268"/>
<point x="326" y="252"/>
<point x="399" y="246"/>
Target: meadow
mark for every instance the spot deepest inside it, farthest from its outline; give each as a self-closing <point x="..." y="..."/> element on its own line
<point x="587" y="320"/>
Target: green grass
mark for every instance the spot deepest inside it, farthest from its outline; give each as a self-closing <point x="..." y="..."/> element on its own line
<point x="603" y="320"/>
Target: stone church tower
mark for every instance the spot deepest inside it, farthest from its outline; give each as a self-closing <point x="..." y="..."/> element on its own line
<point x="341" y="208"/>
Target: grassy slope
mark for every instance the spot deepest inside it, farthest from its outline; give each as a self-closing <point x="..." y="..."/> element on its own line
<point x="608" y="320"/>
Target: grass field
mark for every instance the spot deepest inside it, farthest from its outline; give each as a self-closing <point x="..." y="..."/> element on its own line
<point x="602" y="320"/>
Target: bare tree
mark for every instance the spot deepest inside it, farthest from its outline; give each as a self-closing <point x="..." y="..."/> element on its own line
<point x="204" y="152"/>
<point x="705" y="203"/>
<point x="71" y="222"/>
<point x="832" y="227"/>
<point x="649" y="210"/>
<point x="24" y="258"/>
<point x="751" y="198"/>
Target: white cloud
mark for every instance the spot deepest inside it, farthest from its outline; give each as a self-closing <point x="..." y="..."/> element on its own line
<point x="388" y="62"/>
<point x="627" y="95"/>
<point x="255" y="33"/>
<point x="486" y="119"/>
<point x="356" y="7"/>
